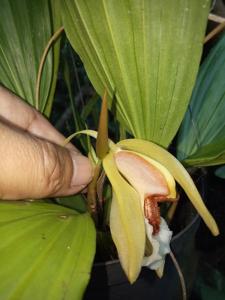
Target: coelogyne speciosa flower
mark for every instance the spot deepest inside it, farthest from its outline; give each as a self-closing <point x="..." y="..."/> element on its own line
<point x="142" y="175"/>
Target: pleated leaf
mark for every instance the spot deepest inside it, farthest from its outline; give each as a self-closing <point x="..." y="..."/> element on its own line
<point x="208" y="155"/>
<point x="220" y="172"/>
<point x="46" y="251"/>
<point x="126" y="221"/>
<point x="25" y="29"/>
<point x="201" y="140"/>
<point x="178" y="172"/>
<point x="145" y="53"/>
<point x="57" y="23"/>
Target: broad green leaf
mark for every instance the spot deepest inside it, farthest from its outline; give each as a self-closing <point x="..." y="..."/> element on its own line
<point x="201" y="139"/>
<point x="126" y="221"/>
<point x="220" y="172"/>
<point x="209" y="155"/>
<point x="25" y="28"/>
<point x="145" y="53"/>
<point x="179" y="173"/>
<point x="46" y="251"/>
<point x="76" y="202"/>
<point x="56" y="19"/>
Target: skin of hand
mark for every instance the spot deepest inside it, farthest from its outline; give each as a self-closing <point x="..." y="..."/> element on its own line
<point x="32" y="162"/>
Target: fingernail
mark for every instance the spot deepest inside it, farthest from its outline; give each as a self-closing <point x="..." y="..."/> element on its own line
<point x="82" y="170"/>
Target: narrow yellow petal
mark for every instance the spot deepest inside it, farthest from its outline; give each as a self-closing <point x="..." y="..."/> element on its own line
<point x="126" y="221"/>
<point x="178" y="172"/>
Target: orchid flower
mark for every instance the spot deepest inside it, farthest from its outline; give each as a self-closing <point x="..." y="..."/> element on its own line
<point x="142" y="174"/>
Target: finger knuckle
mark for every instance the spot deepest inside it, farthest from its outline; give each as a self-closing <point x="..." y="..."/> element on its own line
<point x="52" y="169"/>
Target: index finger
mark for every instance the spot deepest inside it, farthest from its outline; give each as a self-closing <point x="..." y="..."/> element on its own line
<point x="16" y="111"/>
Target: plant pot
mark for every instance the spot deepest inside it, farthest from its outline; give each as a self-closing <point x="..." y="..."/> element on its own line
<point x="109" y="282"/>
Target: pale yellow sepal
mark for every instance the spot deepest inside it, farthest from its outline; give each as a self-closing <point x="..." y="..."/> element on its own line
<point x="126" y="221"/>
<point x="178" y="172"/>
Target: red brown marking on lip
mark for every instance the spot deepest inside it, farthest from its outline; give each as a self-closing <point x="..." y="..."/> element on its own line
<point x="152" y="210"/>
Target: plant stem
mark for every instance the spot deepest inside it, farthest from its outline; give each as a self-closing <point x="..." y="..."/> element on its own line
<point x="92" y="194"/>
<point x="181" y="276"/>
<point x="171" y="212"/>
<point x="41" y="65"/>
<point x="214" y="32"/>
<point x="216" y="18"/>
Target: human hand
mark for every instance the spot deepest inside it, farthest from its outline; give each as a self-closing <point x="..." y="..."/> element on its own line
<point x="32" y="162"/>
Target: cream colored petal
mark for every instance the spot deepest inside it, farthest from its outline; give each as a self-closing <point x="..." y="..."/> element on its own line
<point x="126" y="221"/>
<point x="178" y="172"/>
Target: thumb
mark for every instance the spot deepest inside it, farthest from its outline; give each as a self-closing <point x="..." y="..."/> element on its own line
<point x="31" y="167"/>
